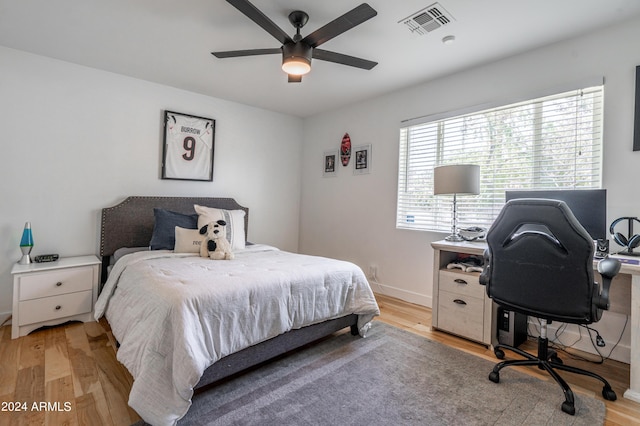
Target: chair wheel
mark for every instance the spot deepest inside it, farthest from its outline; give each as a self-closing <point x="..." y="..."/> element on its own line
<point x="494" y="377"/>
<point x="609" y="394"/>
<point x="499" y="353"/>
<point x="568" y="408"/>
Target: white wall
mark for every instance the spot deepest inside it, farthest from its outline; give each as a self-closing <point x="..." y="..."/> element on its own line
<point x="353" y="217"/>
<point x="75" y="140"/>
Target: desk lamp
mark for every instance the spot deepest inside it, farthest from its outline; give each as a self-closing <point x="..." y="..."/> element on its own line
<point x="456" y="179"/>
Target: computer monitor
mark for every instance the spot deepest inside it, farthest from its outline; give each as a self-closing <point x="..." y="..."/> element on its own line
<point x="589" y="206"/>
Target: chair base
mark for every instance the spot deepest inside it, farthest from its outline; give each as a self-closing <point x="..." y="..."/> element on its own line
<point x="548" y="360"/>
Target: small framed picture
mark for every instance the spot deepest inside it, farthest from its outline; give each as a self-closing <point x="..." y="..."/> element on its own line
<point x="188" y="147"/>
<point x="362" y="163"/>
<point x="329" y="163"/>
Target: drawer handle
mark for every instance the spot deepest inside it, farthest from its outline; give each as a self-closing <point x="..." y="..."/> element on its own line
<point x="58" y="284"/>
<point x="58" y="307"/>
<point x="460" y="281"/>
<point x="459" y="301"/>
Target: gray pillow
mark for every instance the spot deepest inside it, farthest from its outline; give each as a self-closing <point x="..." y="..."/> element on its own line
<point x="164" y="228"/>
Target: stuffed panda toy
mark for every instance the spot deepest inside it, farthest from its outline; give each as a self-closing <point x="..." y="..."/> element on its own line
<point x="215" y="244"/>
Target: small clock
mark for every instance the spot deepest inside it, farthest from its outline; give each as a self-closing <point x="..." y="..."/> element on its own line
<point x="188" y="147"/>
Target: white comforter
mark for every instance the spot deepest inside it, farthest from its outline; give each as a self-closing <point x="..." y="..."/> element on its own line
<point x="175" y="314"/>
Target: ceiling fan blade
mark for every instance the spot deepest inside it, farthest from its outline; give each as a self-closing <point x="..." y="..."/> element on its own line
<point x="294" y="78"/>
<point x="250" y="52"/>
<point x="357" y="16"/>
<point x="339" y="58"/>
<point x="253" y="13"/>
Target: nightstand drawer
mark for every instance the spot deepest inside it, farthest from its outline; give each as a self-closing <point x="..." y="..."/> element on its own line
<point x="467" y="284"/>
<point x="462" y="315"/>
<point x="50" y="308"/>
<point x="52" y="283"/>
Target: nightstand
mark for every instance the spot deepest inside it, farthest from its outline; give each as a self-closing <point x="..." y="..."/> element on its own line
<point x="52" y="293"/>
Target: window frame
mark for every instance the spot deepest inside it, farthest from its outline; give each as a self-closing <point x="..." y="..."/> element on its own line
<point x="437" y="215"/>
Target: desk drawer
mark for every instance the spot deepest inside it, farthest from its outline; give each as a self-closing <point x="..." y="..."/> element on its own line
<point x="461" y="315"/>
<point x="467" y="284"/>
<point x="54" y="307"/>
<point x="53" y="283"/>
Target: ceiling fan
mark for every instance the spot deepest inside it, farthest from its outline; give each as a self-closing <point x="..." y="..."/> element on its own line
<point x="297" y="52"/>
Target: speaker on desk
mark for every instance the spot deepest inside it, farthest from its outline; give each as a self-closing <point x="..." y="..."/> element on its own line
<point x="512" y="327"/>
<point x="602" y="248"/>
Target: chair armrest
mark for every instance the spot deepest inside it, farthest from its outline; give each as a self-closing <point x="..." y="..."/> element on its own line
<point x="608" y="268"/>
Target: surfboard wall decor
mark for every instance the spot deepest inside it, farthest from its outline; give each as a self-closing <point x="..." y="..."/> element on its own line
<point x="345" y="150"/>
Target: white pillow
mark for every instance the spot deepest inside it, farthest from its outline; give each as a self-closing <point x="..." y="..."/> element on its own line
<point x="187" y="240"/>
<point x="234" y="219"/>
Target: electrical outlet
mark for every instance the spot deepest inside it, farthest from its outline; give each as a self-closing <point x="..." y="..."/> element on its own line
<point x="373" y="271"/>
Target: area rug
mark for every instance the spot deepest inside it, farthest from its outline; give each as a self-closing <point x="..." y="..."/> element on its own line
<point x="391" y="377"/>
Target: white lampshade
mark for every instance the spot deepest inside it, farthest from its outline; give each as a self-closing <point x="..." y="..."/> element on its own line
<point x="456" y="179"/>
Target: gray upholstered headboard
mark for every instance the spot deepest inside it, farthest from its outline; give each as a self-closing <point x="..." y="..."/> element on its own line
<point x="130" y="223"/>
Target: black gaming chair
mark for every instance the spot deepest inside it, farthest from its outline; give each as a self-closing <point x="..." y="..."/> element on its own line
<point x="539" y="262"/>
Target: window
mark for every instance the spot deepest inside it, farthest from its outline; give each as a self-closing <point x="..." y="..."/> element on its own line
<point x="553" y="142"/>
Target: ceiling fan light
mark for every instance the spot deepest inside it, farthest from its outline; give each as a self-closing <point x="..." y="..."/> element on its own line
<point x="296" y="65"/>
<point x="296" y="58"/>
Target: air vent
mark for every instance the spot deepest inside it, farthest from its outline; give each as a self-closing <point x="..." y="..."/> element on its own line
<point x="428" y="19"/>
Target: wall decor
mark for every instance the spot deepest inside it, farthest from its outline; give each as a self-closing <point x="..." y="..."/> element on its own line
<point x="636" y="131"/>
<point x="188" y="147"/>
<point x="345" y="150"/>
<point x="329" y="163"/>
<point x="362" y="164"/>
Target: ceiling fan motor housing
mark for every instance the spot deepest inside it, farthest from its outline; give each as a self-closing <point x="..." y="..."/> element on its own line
<point x="296" y="50"/>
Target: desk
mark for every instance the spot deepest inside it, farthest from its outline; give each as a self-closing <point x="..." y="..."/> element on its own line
<point x="626" y="288"/>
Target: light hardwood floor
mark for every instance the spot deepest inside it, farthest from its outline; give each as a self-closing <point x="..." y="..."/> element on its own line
<point x="71" y="375"/>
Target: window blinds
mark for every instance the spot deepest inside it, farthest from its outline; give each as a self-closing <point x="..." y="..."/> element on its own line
<point x="553" y="142"/>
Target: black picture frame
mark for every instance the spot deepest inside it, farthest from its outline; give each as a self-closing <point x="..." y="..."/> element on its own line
<point x="362" y="163"/>
<point x="188" y="147"/>
<point x="330" y="163"/>
<point x="636" y="126"/>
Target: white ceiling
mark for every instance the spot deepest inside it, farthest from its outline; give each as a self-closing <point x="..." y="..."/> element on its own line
<point x="169" y="42"/>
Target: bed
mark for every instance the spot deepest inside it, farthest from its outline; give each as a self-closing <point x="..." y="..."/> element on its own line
<point x="170" y="312"/>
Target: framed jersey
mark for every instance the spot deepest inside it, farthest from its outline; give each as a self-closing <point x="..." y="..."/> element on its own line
<point x="188" y="147"/>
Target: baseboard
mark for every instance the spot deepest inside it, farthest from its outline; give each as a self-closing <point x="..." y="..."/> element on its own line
<point x="398" y="293"/>
<point x="4" y="316"/>
<point x="632" y="395"/>
<point x="621" y="353"/>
